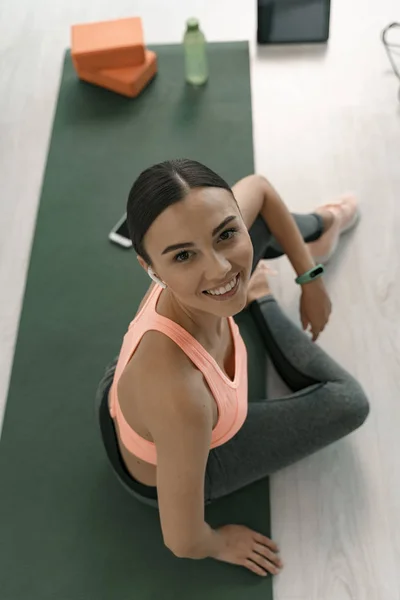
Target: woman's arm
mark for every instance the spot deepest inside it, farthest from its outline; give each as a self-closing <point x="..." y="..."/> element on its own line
<point x="163" y="389"/>
<point x="182" y="434"/>
<point x="256" y="196"/>
<point x="177" y="410"/>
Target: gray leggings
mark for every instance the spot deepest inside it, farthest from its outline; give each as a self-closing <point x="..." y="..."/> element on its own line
<point x="327" y="403"/>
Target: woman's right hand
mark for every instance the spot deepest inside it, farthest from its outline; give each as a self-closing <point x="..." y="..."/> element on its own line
<point x="239" y="545"/>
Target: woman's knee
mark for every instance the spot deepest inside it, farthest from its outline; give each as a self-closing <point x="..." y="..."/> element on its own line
<point x="354" y="404"/>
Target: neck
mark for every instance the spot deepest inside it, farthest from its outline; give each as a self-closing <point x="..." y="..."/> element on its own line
<point x="203" y="326"/>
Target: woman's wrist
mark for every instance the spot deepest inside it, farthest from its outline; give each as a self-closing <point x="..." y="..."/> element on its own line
<point x="302" y="261"/>
<point x="317" y="284"/>
<point x="208" y="545"/>
<point x="216" y="544"/>
<point x="310" y="276"/>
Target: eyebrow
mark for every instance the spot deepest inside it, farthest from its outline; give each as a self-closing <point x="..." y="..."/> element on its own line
<point x="191" y="244"/>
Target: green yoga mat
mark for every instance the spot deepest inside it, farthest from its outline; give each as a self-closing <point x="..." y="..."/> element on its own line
<point x="68" y="529"/>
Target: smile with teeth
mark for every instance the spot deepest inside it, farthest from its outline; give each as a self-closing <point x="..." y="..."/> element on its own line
<point x="223" y="290"/>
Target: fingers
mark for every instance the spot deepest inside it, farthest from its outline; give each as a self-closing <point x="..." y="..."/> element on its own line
<point x="315" y="334"/>
<point x="249" y="564"/>
<point x="304" y="322"/>
<point x="265" y="541"/>
<point x="263" y="558"/>
<point x="264" y="563"/>
<point x="314" y="312"/>
<point x="260" y="565"/>
<point x="317" y="330"/>
<point x="265" y="552"/>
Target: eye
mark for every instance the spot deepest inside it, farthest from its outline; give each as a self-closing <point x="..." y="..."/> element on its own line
<point x="228" y="234"/>
<point x="182" y="256"/>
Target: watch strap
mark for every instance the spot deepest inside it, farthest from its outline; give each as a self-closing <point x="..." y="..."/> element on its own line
<point x="311" y="275"/>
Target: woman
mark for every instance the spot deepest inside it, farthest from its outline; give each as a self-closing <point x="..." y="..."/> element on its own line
<point x="178" y="392"/>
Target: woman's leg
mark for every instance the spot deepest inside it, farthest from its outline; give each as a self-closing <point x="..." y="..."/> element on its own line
<point x="311" y="227"/>
<point x="259" y="203"/>
<point x="327" y="405"/>
<point x="321" y="230"/>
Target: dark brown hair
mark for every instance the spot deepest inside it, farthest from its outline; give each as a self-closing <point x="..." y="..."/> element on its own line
<point x="160" y="186"/>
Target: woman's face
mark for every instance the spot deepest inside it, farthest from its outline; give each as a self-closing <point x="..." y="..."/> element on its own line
<point x="201" y="249"/>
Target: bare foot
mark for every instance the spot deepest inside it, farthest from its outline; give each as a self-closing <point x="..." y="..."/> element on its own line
<point x="258" y="284"/>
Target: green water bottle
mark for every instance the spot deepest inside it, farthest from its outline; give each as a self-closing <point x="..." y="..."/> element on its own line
<point x="194" y="44"/>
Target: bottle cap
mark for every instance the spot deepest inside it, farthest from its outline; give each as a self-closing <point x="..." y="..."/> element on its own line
<point x="192" y="23"/>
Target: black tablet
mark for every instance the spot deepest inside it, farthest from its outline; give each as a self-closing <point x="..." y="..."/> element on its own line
<point x="293" y="21"/>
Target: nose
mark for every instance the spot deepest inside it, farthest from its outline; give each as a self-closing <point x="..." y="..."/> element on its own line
<point x="217" y="268"/>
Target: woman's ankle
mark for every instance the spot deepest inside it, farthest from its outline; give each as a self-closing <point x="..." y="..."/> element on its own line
<point x="328" y="218"/>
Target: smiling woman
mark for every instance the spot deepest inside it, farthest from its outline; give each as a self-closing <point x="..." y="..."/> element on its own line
<point x="174" y="402"/>
<point x="185" y="256"/>
<point x="199" y="242"/>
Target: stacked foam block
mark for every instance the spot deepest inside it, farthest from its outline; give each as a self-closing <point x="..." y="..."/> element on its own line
<point x="112" y="54"/>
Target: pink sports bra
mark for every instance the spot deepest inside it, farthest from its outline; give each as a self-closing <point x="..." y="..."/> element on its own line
<point x="230" y="396"/>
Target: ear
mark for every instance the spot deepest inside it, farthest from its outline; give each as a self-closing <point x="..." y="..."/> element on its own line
<point x="142" y="263"/>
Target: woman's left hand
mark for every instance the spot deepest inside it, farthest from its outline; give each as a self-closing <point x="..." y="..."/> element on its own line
<point x="315" y="307"/>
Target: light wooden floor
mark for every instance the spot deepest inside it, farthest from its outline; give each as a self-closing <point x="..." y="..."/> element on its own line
<point x="324" y="122"/>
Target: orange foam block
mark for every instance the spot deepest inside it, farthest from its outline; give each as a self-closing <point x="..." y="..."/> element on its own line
<point x="128" y="81"/>
<point x="108" y="44"/>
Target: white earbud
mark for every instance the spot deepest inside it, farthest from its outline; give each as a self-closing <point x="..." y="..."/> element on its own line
<point x="152" y="276"/>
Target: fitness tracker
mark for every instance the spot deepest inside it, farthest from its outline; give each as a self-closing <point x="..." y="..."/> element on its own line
<point x="311" y="275"/>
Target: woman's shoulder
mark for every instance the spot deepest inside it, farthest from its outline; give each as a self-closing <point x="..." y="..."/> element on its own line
<point x="158" y="369"/>
<point x="158" y="352"/>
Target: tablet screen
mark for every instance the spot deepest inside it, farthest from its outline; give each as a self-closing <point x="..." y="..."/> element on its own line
<point x="293" y="21"/>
